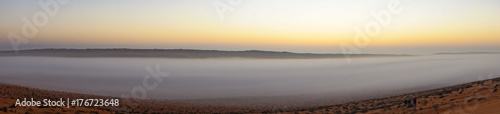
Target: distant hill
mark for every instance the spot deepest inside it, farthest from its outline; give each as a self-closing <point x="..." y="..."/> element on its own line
<point x="456" y="53"/>
<point x="178" y="53"/>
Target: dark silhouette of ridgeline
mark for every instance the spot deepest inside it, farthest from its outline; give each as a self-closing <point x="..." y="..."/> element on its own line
<point x="178" y="53"/>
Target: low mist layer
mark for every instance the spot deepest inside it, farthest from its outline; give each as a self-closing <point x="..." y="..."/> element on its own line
<point x="331" y="79"/>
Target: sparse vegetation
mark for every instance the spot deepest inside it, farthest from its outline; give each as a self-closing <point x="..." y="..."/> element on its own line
<point x="4" y="109"/>
<point x="435" y="107"/>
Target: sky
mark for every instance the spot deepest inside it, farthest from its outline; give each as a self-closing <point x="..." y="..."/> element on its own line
<point x="319" y="26"/>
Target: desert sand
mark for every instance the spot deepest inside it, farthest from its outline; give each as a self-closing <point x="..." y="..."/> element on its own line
<point x="476" y="97"/>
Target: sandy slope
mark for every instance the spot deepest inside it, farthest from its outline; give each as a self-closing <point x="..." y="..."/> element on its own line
<point x="477" y="97"/>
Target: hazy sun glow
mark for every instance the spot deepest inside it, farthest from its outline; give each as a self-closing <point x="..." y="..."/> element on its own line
<point x="285" y="25"/>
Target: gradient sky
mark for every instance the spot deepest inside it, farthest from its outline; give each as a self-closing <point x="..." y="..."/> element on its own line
<point x="425" y="26"/>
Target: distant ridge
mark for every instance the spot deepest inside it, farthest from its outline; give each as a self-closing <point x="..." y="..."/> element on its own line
<point x="469" y="53"/>
<point x="178" y="53"/>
